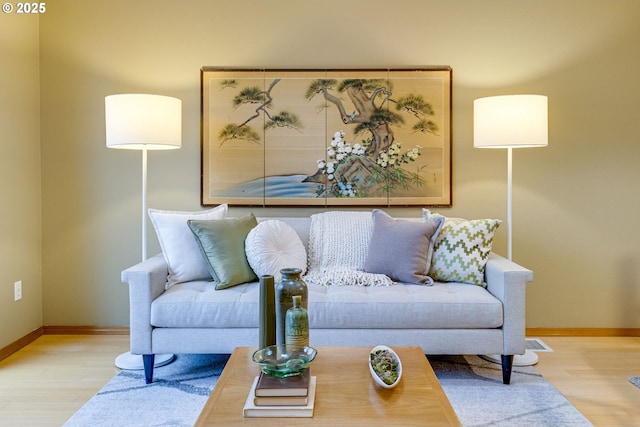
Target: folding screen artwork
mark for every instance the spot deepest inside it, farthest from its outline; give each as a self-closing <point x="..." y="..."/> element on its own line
<point x="326" y="137"/>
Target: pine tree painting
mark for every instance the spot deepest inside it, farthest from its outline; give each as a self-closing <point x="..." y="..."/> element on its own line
<point x="326" y="137"/>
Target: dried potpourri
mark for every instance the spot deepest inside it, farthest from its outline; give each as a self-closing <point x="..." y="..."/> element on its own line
<point x="385" y="365"/>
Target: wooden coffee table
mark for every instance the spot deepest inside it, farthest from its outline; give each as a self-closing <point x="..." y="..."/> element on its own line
<point x="346" y="395"/>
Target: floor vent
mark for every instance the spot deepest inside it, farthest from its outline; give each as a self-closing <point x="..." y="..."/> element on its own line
<point x="536" y="344"/>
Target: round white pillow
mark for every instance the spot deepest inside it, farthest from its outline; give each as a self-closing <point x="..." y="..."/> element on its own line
<point x="273" y="245"/>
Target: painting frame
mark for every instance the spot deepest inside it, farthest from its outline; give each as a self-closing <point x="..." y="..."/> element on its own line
<point x="326" y="137"/>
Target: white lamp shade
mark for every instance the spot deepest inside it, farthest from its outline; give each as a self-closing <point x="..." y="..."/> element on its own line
<point x="516" y="121"/>
<point x="136" y="121"/>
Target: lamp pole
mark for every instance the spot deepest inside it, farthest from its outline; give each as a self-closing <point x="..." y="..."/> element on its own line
<point x="144" y="202"/>
<point x="510" y="203"/>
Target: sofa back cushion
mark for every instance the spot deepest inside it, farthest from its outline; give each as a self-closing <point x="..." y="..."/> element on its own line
<point x="299" y="224"/>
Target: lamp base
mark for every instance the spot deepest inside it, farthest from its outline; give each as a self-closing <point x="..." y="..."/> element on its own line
<point x="132" y="362"/>
<point x="527" y="359"/>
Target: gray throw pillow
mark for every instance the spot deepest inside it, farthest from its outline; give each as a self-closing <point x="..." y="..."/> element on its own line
<point x="402" y="249"/>
<point x="222" y="244"/>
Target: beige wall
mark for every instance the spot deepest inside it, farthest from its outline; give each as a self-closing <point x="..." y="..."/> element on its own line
<point x="576" y="202"/>
<point x="20" y="197"/>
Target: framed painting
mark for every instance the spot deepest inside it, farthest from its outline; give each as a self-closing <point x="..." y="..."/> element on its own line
<point x="326" y="137"/>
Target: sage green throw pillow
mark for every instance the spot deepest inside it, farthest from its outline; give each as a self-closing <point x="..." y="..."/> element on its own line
<point x="462" y="248"/>
<point x="221" y="242"/>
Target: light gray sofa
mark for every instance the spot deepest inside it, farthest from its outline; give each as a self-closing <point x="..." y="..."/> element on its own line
<point x="446" y="318"/>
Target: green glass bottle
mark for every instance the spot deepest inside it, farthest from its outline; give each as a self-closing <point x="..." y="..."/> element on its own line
<point x="297" y="324"/>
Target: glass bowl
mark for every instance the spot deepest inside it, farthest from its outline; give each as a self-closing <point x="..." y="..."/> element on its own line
<point x="385" y="366"/>
<point x="284" y="361"/>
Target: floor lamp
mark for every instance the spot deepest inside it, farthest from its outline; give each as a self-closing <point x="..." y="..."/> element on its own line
<point x="511" y="121"/>
<point x="143" y="122"/>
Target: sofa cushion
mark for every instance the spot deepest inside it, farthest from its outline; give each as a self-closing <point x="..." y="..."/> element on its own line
<point x="273" y="245"/>
<point x="221" y="242"/>
<point x="403" y="306"/>
<point x="462" y="249"/>
<point x="402" y="249"/>
<point x="179" y="247"/>
<point x="198" y="304"/>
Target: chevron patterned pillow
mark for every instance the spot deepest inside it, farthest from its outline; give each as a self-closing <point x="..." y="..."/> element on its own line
<point x="462" y="249"/>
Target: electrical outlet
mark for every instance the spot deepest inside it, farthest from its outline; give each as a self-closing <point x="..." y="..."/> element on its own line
<point x="17" y="290"/>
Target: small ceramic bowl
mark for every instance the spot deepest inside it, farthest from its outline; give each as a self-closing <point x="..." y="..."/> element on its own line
<point x="284" y="361"/>
<point x="384" y="360"/>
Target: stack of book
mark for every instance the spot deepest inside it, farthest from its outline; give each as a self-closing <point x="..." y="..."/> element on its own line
<point x="281" y="397"/>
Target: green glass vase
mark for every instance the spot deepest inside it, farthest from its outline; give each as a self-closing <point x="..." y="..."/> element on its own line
<point x="290" y="286"/>
<point x="267" y="324"/>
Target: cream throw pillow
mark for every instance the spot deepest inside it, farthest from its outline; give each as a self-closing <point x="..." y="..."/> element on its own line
<point x="179" y="246"/>
<point x="273" y="245"/>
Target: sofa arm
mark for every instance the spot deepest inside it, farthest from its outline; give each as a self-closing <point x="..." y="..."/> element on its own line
<point x="146" y="281"/>
<point x="507" y="281"/>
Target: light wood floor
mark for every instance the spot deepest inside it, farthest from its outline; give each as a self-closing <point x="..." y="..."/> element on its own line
<point x="592" y="373"/>
<point x="49" y="380"/>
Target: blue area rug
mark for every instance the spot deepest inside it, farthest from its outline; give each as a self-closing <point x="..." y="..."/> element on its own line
<point x="474" y="388"/>
<point x="473" y="385"/>
<point x="175" y="398"/>
<point x="635" y="381"/>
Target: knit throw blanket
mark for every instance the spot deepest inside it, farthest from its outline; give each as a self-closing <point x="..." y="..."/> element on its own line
<point x="338" y="244"/>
